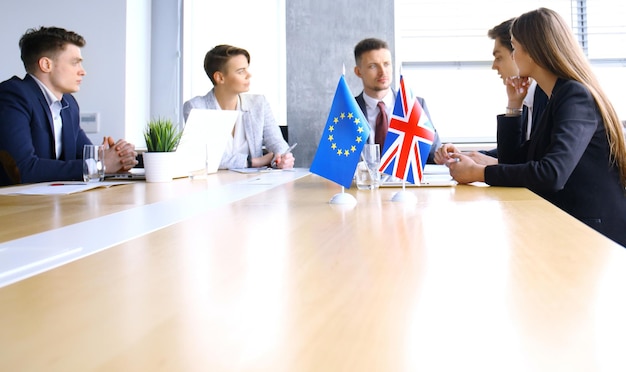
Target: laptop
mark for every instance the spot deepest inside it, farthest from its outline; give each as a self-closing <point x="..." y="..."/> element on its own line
<point x="134" y="174"/>
<point x="205" y="136"/>
<point x="201" y="146"/>
<point x="434" y="175"/>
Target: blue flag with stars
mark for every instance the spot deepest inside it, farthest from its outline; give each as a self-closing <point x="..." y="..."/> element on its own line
<point x="345" y="134"/>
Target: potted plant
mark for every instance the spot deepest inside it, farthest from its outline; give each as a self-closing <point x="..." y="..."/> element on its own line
<point x="162" y="138"/>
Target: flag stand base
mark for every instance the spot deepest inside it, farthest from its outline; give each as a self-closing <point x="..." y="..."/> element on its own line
<point x="404" y="196"/>
<point x="343" y="198"/>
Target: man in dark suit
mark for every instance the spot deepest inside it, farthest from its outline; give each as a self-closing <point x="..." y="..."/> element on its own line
<point x="40" y="136"/>
<point x="536" y="100"/>
<point x="374" y="67"/>
<point x="534" y="103"/>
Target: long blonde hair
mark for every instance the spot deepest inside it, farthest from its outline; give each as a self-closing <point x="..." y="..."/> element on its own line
<point x="551" y="44"/>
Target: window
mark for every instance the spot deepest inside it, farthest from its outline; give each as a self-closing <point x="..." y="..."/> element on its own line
<point x="444" y="53"/>
<point x="207" y="24"/>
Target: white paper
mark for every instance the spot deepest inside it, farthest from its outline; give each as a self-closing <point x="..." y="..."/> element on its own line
<point x="57" y="188"/>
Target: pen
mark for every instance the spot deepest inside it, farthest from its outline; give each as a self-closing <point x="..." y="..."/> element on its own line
<point x="290" y="148"/>
<point x="273" y="165"/>
<point x="66" y="184"/>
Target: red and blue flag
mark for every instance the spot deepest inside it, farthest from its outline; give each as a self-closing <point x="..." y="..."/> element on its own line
<point x="409" y="139"/>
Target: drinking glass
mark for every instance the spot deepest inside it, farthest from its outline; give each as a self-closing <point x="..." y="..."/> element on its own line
<point x="93" y="163"/>
<point x="367" y="173"/>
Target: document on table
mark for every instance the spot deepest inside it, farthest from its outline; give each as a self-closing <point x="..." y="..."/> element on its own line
<point x="57" y="188"/>
<point x="260" y="170"/>
<point x="251" y="170"/>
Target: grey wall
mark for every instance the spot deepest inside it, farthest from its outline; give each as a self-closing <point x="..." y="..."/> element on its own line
<point x="321" y="35"/>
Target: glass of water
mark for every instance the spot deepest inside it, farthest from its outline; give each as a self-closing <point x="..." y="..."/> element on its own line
<point x="93" y="163"/>
<point x="367" y="173"/>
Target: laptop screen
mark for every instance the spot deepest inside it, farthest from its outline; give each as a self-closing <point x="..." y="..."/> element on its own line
<point x="201" y="146"/>
<point x="204" y="139"/>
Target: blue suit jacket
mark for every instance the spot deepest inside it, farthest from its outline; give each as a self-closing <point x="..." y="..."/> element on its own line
<point x="27" y="148"/>
<point x="566" y="160"/>
<point x="436" y="142"/>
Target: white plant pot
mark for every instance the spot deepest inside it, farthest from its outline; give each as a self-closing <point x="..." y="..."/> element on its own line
<point x="159" y="166"/>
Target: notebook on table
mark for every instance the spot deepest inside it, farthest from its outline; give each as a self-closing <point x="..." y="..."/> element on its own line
<point x="201" y="146"/>
<point x="434" y="175"/>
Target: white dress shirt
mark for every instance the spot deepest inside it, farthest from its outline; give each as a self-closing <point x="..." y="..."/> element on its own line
<point x="238" y="143"/>
<point x="55" y="106"/>
<point x="528" y="102"/>
<point x="371" y="105"/>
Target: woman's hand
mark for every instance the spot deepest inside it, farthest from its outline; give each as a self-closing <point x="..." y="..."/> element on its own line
<point x="442" y="155"/>
<point x="263" y="161"/>
<point x="481" y="158"/>
<point x="465" y="170"/>
<point x="285" y="161"/>
<point x="516" y="89"/>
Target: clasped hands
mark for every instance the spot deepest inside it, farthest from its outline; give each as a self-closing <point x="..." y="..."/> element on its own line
<point x="119" y="156"/>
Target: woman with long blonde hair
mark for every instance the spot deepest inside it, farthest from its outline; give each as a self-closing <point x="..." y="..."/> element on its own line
<point x="576" y="157"/>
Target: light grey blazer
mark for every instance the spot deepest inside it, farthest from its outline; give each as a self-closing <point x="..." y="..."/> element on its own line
<point x="259" y="125"/>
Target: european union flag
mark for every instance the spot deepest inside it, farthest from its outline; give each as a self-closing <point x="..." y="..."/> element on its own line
<point x="341" y="144"/>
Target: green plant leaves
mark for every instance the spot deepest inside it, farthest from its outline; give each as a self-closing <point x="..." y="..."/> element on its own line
<point x="161" y="135"/>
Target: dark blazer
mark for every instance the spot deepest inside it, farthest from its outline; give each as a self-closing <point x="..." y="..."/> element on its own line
<point x="27" y="148"/>
<point x="566" y="160"/>
<point x="436" y="142"/>
<point x="540" y="100"/>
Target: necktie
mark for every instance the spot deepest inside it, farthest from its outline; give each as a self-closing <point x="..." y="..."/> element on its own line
<point x="381" y="125"/>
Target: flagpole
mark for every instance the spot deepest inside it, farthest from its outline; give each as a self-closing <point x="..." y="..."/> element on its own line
<point x="343" y="198"/>
<point x="341" y="143"/>
<point x="404" y="196"/>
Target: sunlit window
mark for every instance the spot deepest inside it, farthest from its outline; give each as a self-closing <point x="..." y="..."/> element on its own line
<point x="444" y="53"/>
<point x="442" y="49"/>
<point x="207" y="24"/>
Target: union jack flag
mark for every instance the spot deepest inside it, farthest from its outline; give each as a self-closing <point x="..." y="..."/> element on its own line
<point x="408" y="140"/>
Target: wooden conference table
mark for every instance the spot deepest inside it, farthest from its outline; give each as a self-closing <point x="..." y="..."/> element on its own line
<point x="469" y="278"/>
